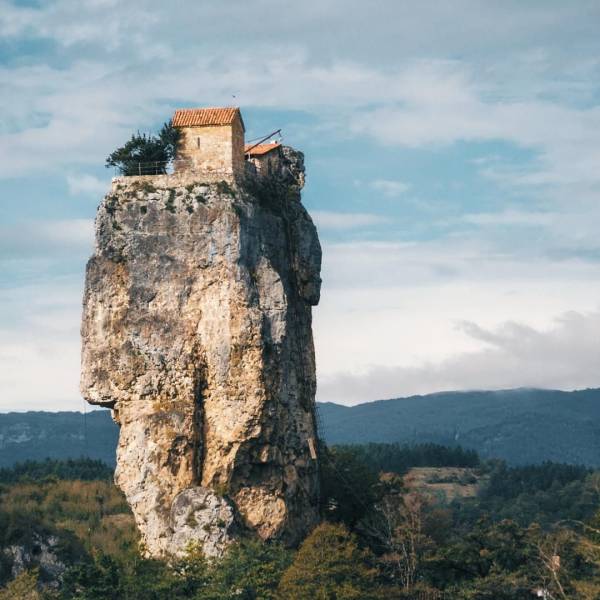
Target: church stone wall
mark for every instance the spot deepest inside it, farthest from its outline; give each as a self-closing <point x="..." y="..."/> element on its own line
<point x="216" y="150"/>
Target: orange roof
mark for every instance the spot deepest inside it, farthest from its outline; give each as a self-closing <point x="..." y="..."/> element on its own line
<point x="260" y="149"/>
<point x="198" y="117"/>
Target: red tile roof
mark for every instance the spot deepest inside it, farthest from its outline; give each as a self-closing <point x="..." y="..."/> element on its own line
<point x="260" y="149"/>
<point x="198" y="117"/>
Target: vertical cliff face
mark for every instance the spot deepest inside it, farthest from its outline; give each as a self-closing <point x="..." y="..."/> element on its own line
<point x="197" y="333"/>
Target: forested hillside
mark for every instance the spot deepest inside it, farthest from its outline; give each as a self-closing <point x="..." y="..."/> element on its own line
<point x="519" y="426"/>
<point x="40" y="435"/>
<point x="67" y="533"/>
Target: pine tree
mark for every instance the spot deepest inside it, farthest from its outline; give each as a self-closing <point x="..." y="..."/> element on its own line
<point x="146" y="154"/>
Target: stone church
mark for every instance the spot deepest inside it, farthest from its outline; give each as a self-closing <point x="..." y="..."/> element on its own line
<point x="212" y="144"/>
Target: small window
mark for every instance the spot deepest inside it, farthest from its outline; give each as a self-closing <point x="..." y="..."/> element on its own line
<point x="198" y="143"/>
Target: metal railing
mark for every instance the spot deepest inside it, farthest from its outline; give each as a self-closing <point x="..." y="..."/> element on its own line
<point x="136" y="168"/>
<point x="186" y="165"/>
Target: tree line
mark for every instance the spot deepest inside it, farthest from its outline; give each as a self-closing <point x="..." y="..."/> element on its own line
<point x="529" y="531"/>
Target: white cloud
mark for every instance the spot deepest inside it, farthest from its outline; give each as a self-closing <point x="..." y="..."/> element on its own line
<point x="390" y="187"/>
<point x="73" y="233"/>
<point x="84" y="184"/>
<point x="527" y="76"/>
<point x="564" y="356"/>
<point x="39" y="346"/>
<point x="394" y="319"/>
<point x="76" y="113"/>
<point x="399" y="26"/>
<point x="437" y="103"/>
<point x="398" y="313"/>
<point x="337" y="220"/>
<point x="511" y="217"/>
<point x="51" y="239"/>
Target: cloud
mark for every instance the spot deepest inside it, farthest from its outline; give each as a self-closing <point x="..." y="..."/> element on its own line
<point x="401" y="27"/>
<point x="39" y="345"/>
<point x="394" y="319"/>
<point x="564" y="356"/>
<point x="390" y="188"/>
<point x="476" y="260"/>
<point x="78" y="77"/>
<point x="401" y="313"/>
<point x="436" y="103"/>
<point x="52" y="239"/>
<point x="88" y="185"/>
<point x="339" y="221"/>
<point x="72" y="108"/>
<point x="511" y="217"/>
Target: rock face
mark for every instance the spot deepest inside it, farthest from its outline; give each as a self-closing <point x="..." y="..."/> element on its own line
<point x="41" y="552"/>
<point x="197" y="333"/>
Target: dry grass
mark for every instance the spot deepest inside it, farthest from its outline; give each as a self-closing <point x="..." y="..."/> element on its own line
<point x="95" y="511"/>
<point x="444" y="484"/>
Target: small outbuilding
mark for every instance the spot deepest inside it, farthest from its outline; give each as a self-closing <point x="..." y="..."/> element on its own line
<point x="266" y="158"/>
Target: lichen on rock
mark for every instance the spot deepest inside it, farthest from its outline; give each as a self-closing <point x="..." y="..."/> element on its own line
<point x="197" y="333"/>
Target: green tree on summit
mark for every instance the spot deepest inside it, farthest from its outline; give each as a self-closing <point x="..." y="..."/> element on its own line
<point x="146" y="154"/>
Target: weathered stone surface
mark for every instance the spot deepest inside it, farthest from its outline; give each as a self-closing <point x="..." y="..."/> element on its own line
<point x="200" y="515"/>
<point x="41" y="553"/>
<point x="197" y="333"/>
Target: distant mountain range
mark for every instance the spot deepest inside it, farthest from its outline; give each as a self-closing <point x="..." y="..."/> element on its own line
<point x="522" y="426"/>
<point x="39" y="435"/>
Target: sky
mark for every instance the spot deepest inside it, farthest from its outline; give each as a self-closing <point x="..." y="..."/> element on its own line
<point x="453" y="172"/>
